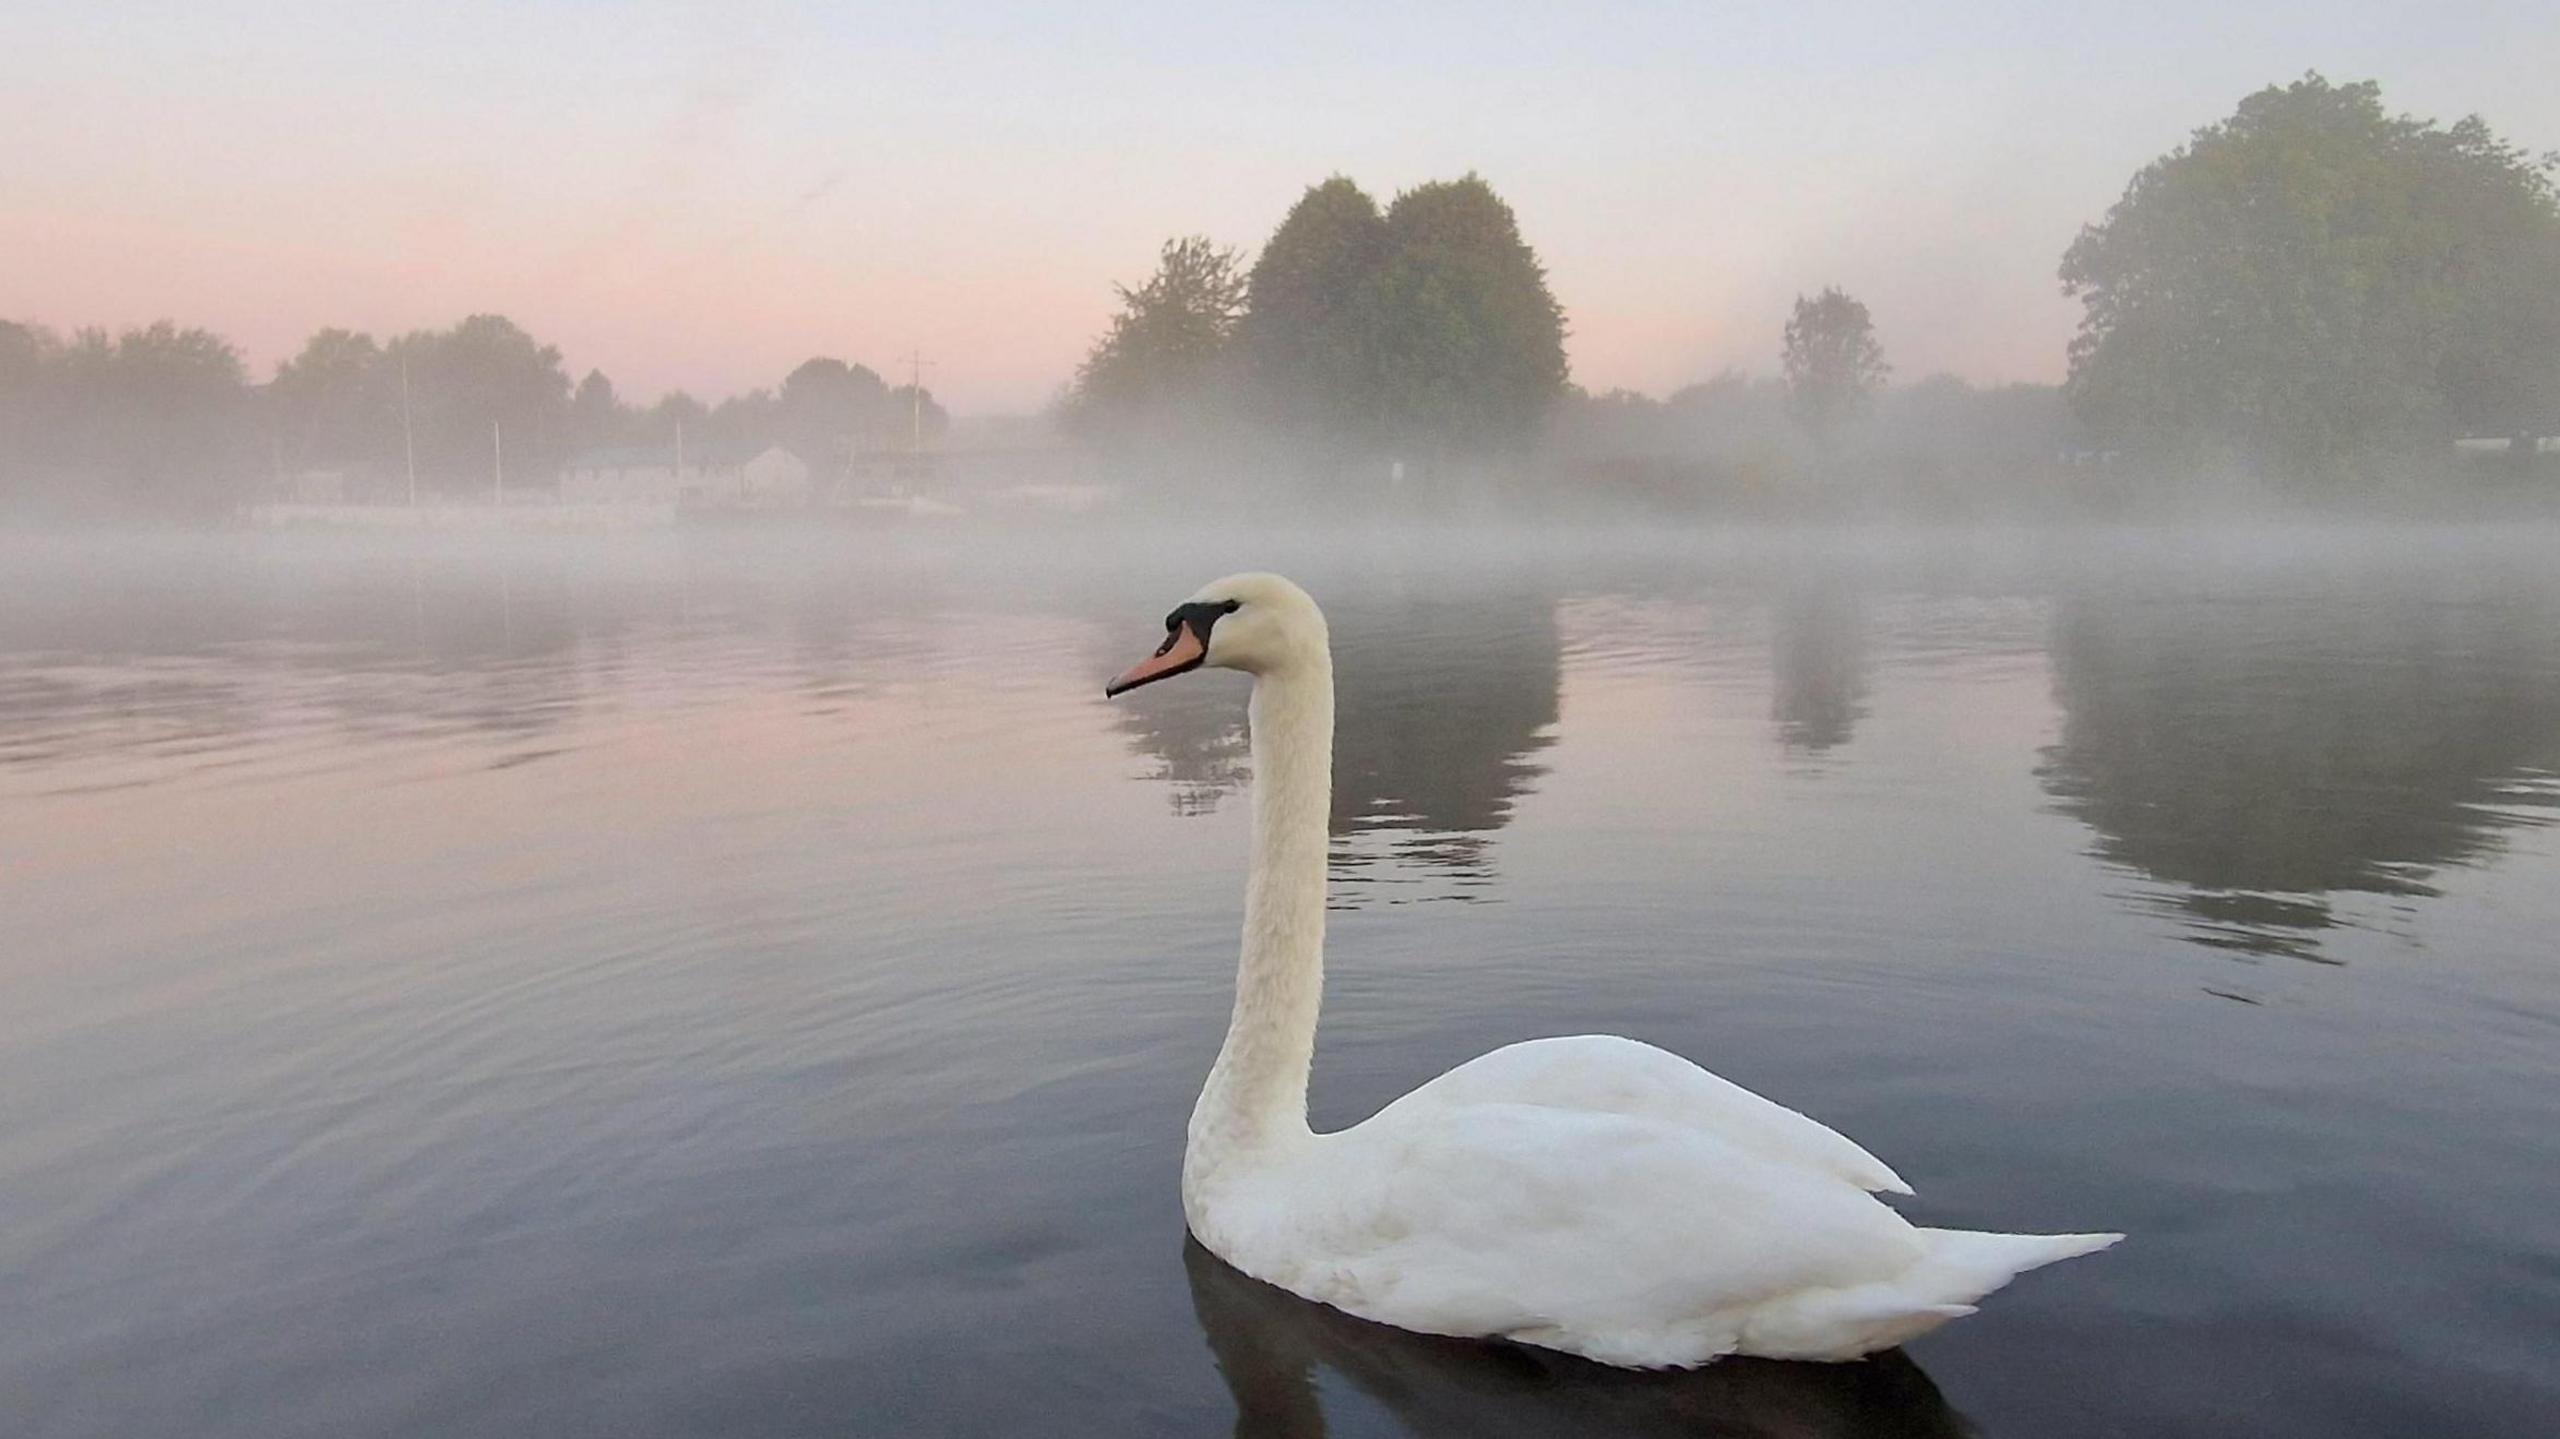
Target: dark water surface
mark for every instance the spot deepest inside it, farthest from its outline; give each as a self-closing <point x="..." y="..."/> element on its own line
<point x="716" y="985"/>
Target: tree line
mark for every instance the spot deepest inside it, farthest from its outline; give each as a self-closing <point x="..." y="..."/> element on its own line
<point x="2312" y="290"/>
<point x="1423" y="331"/>
<point x="1422" y="339"/>
<point x="163" y="419"/>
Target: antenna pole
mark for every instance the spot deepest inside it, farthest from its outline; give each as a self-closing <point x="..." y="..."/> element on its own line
<point x="408" y="435"/>
<point x="915" y="400"/>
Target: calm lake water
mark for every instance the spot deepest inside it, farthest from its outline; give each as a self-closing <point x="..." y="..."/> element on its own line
<point x="715" y="985"/>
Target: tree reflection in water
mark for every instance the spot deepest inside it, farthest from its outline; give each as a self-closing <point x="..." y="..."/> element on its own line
<point x="1818" y="663"/>
<point x="1280" y="1353"/>
<point x="2262" y="750"/>
<point x="1446" y="694"/>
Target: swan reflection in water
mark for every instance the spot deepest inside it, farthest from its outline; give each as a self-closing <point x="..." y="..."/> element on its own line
<point x="1275" y="1349"/>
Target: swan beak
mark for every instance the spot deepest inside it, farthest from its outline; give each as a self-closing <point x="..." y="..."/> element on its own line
<point x="1182" y="650"/>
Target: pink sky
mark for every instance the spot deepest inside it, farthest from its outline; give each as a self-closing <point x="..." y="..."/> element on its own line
<point x="701" y="199"/>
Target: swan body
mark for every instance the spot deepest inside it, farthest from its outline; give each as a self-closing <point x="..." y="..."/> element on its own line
<point x="1590" y="1194"/>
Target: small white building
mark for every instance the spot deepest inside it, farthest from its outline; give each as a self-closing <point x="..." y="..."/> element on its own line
<point x="775" y="479"/>
<point x="772" y="478"/>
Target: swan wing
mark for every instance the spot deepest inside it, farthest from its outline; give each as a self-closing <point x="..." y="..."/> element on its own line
<point x="1624" y="1239"/>
<point x="1607" y="1074"/>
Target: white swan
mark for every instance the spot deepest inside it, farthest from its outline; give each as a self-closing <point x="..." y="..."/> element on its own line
<point x="1589" y="1194"/>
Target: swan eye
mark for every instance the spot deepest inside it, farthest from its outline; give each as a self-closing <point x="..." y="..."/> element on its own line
<point x="1201" y="616"/>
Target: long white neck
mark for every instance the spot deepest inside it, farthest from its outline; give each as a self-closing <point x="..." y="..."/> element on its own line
<point x="1257" y="1092"/>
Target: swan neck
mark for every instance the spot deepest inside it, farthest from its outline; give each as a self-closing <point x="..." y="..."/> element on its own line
<point x="1257" y="1093"/>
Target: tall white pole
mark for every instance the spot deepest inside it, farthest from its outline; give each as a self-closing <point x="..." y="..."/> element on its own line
<point x="408" y="435"/>
<point x="498" y="465"/>
<point x="915" y="401"/>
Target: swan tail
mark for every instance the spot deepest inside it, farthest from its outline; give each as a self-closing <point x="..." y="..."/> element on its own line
<point x="1959" y="1267"/>
<point x="1963" y="1265"/>
<point x="1881" y="1179"/>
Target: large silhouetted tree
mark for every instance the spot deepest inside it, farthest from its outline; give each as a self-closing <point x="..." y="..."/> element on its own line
<point x="743" y="424"/>
<point x="28" y="362"/>
<point x="480" y="386"/>
<point x="597" y="415"/>
<point x="2313" y="278"/>
<point x="1162" y="366"/>
<point x="1425" y="333"/>
<point x="1834" y="365"/>
<point x="676" y="413"/>
<point x="825" y="407"/>
<point x="336" y="404"/>
<point x="1465" y="345"/>
<point x="157" y="418"/>
<point x="1303" y="333"/>
<point x="913" y="418"/>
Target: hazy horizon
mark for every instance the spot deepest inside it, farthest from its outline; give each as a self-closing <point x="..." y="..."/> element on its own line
<point x="699" y="202"/>
<point x="571" y="859"/>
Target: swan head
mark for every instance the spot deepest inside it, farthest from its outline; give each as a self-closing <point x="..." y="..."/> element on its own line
<point x="1261" y="624"/>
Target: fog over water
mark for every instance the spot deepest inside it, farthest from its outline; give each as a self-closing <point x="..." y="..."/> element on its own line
<point x="721" y="981"/>
<point x="565" y="866"/>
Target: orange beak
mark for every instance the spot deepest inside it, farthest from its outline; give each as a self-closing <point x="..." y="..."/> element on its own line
<point x="1182" y="650"/>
